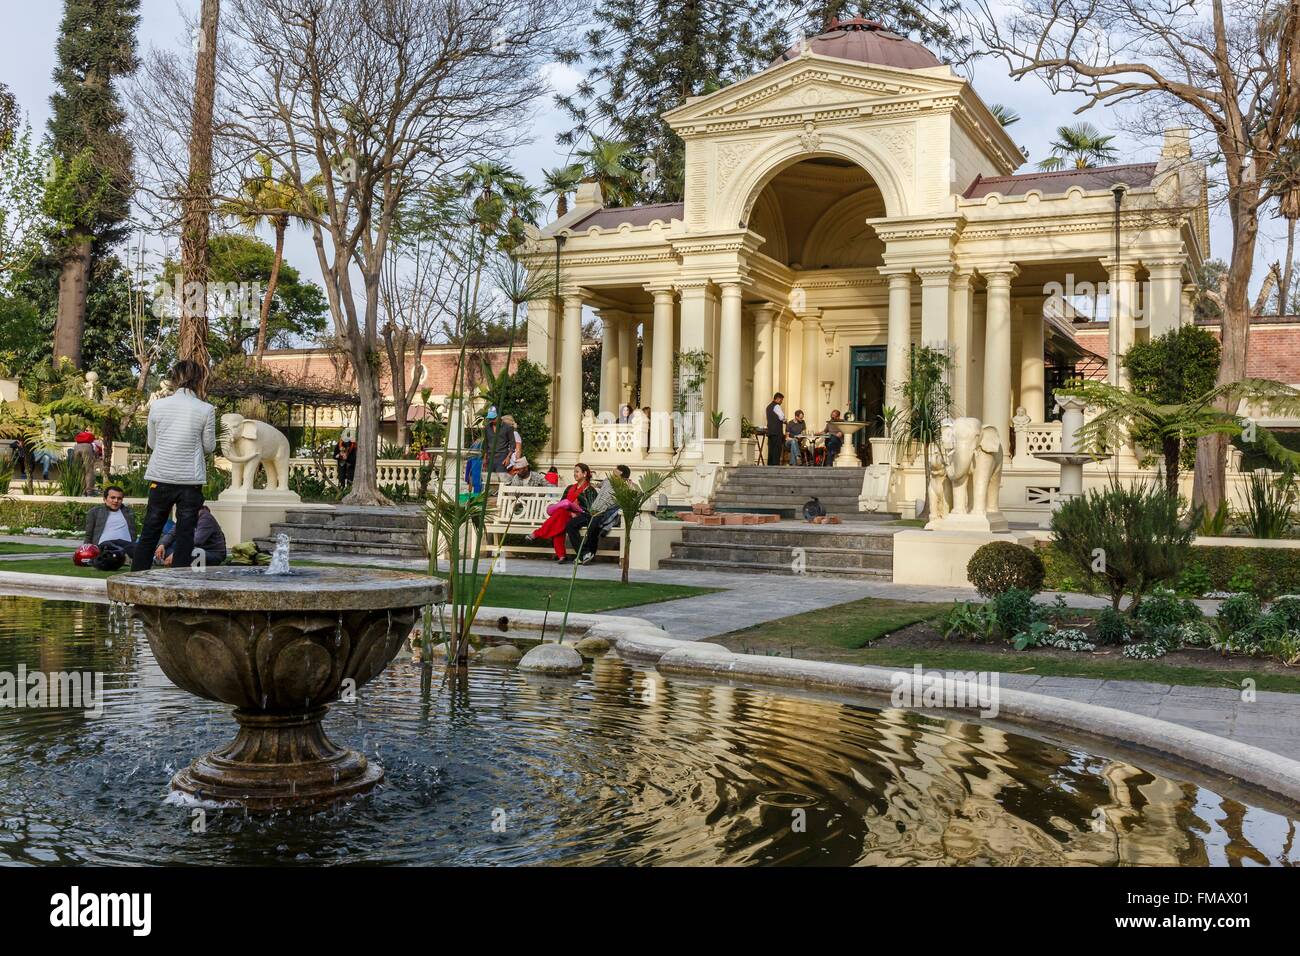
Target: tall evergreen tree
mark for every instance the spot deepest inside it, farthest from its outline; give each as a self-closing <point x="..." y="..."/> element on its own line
<point x="89" y="193"/>
<point x="645" y="58"/>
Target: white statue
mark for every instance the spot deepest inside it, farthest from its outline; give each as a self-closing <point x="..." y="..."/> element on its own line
<point x="940" y="489"/>
<point x="246" y="444"/>
<point x="971" y="455"/>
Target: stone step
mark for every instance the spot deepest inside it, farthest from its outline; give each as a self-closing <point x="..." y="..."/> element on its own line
<point x="691" y="564"/>
<point x="796" y="476"/>
<point x="786" y="538"/>
<point x="390" y="549"/>
<point x="744" y="470"/>
<point x="831" y="503"/>
<point x="369" y="535"/>
<point x="363" y="517"/>
<point x="768" y="556"/>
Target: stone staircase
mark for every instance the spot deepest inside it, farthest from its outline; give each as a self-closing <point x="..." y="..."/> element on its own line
<point x="385" y="532"/>
<point x="767" y="549"/>
<point x="787" y="488"/>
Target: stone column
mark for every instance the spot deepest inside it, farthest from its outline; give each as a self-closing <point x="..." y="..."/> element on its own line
<point x="661" y="385"/>
<point x="1164" y="304"/>
<point x="997" y="352"/>
<point x="959" y="312"/>
<point x="900" y="337"/>
<point x="811" y="379"/>
<point x="1120" y="279"/>
<point x="1032" y="377"/>
<point x="570" y="424"/>
<point x="935" y="293"/>
<point x="645" y="374"/>
<point x="1187" y="310"/>
<point x="696" y="335"/>
<point x="764" y="357"/>
<point x="626" y="360"/>
<point x="728" y="360"/>
<point x="611" y="373"/>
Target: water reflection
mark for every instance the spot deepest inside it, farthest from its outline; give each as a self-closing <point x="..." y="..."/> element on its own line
<point x="620" y="767"/>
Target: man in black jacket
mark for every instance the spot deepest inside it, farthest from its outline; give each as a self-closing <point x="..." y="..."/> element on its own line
<point x="775" y="429"/>
<point x="113" y="522"/>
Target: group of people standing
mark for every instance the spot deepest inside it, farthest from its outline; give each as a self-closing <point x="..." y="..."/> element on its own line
<point x="792" y="434"/>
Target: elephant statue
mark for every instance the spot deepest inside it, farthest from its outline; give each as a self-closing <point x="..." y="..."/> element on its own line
<point x="940" y="490"/>
<point x="972" y="458"/>
<point x="246" y="444"/>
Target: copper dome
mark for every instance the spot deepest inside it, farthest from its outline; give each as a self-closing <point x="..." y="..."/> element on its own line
<point x="866" y="41"/>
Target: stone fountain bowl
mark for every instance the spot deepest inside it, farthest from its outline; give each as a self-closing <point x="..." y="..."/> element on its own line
<point x="278" y="648"/>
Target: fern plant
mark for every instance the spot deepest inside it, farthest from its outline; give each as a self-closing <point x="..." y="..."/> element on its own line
<point x="1270" y="504"/>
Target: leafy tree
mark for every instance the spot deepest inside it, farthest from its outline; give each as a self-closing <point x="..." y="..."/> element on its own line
<point x="924" y="403"/>
<point x="1285" y="182"/>
<point x="644" y="59"/>
<point x="1171" y="369"/>
<point x="22" y="205"/>
<point x="1123" y="412"/>
<point x="9" y="118"/>
<point x="295" y="311"/>
<point x="274" y="201"/>
<point x="1080" y="146"/>
<point x="524" y="393"/>
<point x="89" y="193"/>
<point x="1125" y="539"/>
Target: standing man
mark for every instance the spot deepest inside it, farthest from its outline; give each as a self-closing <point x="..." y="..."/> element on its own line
<point x="775" y="429"/>
<point x="182" y="433"/>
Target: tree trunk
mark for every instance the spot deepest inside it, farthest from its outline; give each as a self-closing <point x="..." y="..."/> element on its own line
<point x="271" y="283"/>
<point x="627" y="550"/>
<point x="1210" y="483"/>
<point x="70" y="320"/>
<point x="1173" y="448"/>
<point x="193" y="343"/>
<point x="365" y="487"/>
<point x="1284" y="293"/>
<point x="397" y="378"/>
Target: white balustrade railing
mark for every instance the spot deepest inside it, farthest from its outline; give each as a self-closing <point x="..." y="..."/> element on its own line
<point x="1032" y="438"/>
<point x="626" y="442"/>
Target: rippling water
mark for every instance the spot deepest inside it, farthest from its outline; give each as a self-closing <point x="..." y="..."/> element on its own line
<point x="620" y="766"/>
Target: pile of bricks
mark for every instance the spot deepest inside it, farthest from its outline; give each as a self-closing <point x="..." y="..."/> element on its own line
<point x="706" y="515"/>
<point x="826" y="519"/>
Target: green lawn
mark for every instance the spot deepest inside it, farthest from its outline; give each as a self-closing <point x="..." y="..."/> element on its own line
<point x="506" y="590"/>
<point x="11" y="547"/>
<point x="844" y="633"/>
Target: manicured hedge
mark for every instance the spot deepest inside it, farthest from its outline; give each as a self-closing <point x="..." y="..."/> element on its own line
<point x="1275" y="570"/>
<point x="63" y="515"/>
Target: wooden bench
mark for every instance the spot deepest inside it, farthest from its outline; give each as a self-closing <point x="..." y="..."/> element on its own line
<point x="522" y="509"/>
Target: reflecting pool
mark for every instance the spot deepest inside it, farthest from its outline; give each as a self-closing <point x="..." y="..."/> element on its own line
<point x="619" y="766"/>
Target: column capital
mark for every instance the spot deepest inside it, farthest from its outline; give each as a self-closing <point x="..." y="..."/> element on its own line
<point x="1000" y="276"/>
<point x="1124" y="270"/>
<point x="693" y="285"/>
<point x="898" y="278"/>
<point x="1167" y="267"/>
<point x="660" y="288"/>
<point x="575" y="292"/>
<point x="937" y="274"/>
<point x="732" y="288"/>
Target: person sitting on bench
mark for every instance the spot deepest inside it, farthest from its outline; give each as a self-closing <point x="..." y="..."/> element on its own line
<point x="795" y="430"/>
<point x="601" y="517"/>
<point x="521" y="473"/>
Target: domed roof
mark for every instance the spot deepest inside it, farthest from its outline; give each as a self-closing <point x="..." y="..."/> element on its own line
<point x="867" y="41"/>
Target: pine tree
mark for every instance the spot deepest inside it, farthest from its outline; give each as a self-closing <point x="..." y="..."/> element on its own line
<point x="645" y="58"/>
<point x="89" y="193"/>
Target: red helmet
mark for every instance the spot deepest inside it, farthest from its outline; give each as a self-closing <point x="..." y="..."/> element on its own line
<point x="85" y="554"/>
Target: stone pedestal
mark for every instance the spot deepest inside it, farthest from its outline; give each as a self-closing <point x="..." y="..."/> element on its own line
<point x="245" y="515"/>
<point x="991" y="523"/>
<point x="939" y="558"/>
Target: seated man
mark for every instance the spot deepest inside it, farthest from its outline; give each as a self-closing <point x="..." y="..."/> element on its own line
<point x="795" y="429"/>
<point x="112" y="523"/>
<point x="834" y="436"/>
<point x="521" y="473"/>
<point x="208" y="537"/>
<point x="602" y="515"/>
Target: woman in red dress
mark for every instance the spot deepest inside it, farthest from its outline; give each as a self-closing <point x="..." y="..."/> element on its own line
<point x="577" y="498"/>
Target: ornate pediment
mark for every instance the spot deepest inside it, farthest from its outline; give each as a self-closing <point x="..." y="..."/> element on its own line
<point x="811" y="83"/>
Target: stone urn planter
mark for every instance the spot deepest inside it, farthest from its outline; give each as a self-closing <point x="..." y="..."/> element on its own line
<point x="279" y="648"/>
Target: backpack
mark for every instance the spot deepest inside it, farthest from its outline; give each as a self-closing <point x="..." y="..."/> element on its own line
<point x="813" y="509"/>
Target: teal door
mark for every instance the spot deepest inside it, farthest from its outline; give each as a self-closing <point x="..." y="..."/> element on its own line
<point x="867" y="393"/>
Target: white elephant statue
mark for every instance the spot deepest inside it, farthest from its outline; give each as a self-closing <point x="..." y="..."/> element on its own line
<point x="246" y="444"/>
<point x="972" y="457"/>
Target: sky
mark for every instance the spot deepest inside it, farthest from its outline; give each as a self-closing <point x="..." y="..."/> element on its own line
<point x="27" y="62"/>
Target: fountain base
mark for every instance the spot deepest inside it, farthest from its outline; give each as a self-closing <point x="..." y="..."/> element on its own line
<point x="278" y="761"/>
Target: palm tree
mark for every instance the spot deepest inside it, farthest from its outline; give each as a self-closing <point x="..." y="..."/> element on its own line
<point x="1004" y="114"/>
<point x="559" y="183"/>
<point x="1122" y="411"/>
<point x="1083" y="144"/>
<point x="1284" y="179"/>
<point x="266" y="199"/>
<point x="924" y="404"/>
<point x="605" y="162"/>
<point x="631" y="497"/>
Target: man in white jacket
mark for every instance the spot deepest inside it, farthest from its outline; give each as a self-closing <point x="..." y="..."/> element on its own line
<point x="182" y="433"/>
